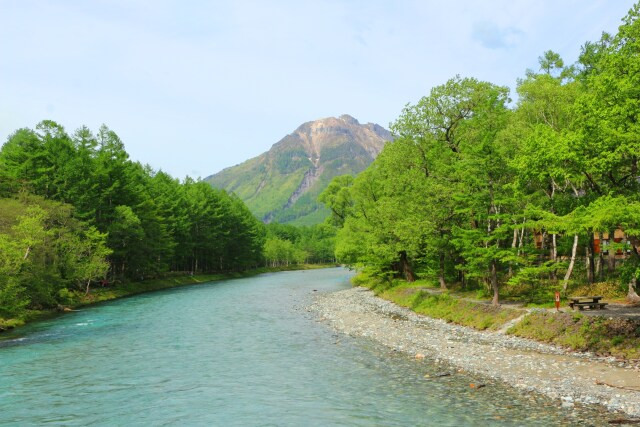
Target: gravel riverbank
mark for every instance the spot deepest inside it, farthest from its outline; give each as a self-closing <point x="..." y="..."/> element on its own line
<point x="525" y="364"/>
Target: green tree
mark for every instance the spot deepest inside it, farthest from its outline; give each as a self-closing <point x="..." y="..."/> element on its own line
<point x="431" y="197"/>
<point x="545" y="120"/>
<point x="44" y="251"/>
<point x="607" y="147"/>
<point x="338" y="199"/>
<point x="151" y="222"/>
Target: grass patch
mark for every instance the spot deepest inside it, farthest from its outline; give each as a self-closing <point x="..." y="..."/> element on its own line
<point x="425" y="297"/>
<point x="448" y="307"/>
<point x="603" y="336"/>
<point x="610" y="291"/>
<point x="10" y="323"/>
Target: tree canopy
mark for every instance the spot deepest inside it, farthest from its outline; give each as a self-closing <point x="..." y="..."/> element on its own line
<point x="74" y="209"/>
<point x="487" y="193"/>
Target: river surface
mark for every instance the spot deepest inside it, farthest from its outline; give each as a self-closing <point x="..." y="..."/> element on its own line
<point x="242" y="352"/>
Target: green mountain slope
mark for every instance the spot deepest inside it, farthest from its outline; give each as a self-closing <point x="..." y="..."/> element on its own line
<point x="282" y="185"/>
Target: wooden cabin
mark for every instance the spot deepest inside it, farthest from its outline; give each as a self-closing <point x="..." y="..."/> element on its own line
<point x="604" y="244"/>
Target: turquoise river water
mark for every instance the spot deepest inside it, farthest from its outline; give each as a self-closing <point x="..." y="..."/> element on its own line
<point x="241" y="352"/>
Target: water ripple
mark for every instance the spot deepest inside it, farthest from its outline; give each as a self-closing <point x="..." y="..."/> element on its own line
<point x="239" y="353"/>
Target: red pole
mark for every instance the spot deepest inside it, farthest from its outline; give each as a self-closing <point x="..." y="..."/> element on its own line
<point x="557" y="301"/>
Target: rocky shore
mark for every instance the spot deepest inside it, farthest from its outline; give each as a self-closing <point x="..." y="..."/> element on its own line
<point x="525" y="364"/>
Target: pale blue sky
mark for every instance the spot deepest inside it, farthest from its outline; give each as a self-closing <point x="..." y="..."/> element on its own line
<point x="193" y="87"/>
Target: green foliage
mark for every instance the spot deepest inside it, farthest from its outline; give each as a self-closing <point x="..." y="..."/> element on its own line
<point x="13" y="300"/>
<point x="44" y="250"/>
<point x="338" y="199"/>
<point x="281" y="252"/>
<point x="287" y="244"/>
<point x="490" y="197"/>
<point x="76" y="211"/>
<point x="444" y="169"/>
<point x="293" y="159"/>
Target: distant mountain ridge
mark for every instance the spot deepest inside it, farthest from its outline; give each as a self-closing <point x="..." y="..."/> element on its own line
<point x="283" y="183"/>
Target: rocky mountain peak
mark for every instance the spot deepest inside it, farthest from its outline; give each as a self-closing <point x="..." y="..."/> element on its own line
<point x="349" y="120"/>
<point x="283" y="183"/>
<point x="317" y="134"/>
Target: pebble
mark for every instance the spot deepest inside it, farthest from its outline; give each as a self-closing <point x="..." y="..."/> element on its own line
<point x="526" y="364"/>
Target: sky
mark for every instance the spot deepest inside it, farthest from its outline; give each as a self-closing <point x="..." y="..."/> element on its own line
<point x="192" y="87"/>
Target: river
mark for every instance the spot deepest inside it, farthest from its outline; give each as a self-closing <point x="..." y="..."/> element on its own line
<point x="242" y="352"/>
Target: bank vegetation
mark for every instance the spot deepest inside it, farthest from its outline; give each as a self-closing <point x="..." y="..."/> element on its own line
<point x="519" y="198"/>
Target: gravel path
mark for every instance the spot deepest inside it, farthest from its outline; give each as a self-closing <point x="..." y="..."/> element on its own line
<point x="525" y="364"/>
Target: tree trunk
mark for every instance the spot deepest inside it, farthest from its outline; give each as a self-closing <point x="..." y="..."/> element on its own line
<point x="567" y="276"/>
<point x="554" y="257"/>
<point x="406" y="268"/>
<point x="461" y="277"/>
<point x="494" y="284"/>
<point x="443" y="284"/>
<point x="543" y="246"/>
<point x="599" y="260"/>
<point x="589" y="263"/>
<point x="514" y="244"/>
<point x="88" y="283"/>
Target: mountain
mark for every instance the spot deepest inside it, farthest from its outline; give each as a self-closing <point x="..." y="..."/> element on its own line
<point x="282" y="184"/>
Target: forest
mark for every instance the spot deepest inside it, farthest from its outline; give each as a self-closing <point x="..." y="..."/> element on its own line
<point x="289" y="245"/>
<point x="484" y="192"/>
<point x="75" y="211"/>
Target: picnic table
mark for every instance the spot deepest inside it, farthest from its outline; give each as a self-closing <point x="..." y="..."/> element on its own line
<point x="592" y="303"/>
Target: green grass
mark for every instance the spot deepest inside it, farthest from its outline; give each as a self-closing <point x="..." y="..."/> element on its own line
<point x="604" y="336"/>
<point x="424" y="297"/>
<point x="600" y="335"/>
<point x="10" y="323"/>
<point x="446" y="306"/>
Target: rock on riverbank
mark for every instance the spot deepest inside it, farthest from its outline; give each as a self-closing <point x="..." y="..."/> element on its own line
<point x="521" y="363"/>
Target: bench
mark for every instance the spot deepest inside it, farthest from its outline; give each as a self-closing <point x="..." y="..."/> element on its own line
<point x="592" y="303"/>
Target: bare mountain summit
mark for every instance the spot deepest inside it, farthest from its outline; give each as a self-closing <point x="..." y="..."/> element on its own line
<point x="282" y="184"/>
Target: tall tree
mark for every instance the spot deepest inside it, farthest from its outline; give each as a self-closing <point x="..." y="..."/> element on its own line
<point x="546" y="119"/>
<point x="607" y="148"/>
<point x="404" y="209"/>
